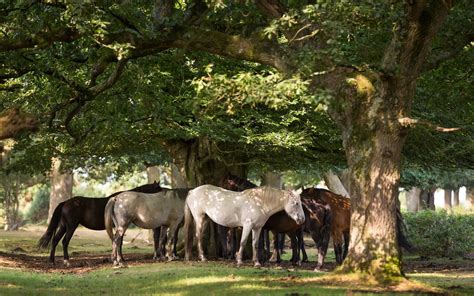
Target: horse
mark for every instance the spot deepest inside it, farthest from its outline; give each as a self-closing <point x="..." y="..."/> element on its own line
<point x="340" y="218"/>
<point x="79" y="210"/>
<point x="249" y="209"/>
<point x="318" y="223"/>
<point x="228" y="236"/>
<point x="148" y="211"/>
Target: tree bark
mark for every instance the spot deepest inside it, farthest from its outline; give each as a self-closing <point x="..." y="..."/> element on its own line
<point x="153" y="174"/>
<point x="456" y="197"/>
<point x="13" y="122"/>
<point x="413" y="199"/>
<point x="61" y="186"/>
<point x="447" y="200"/>
<point x="334" y="184"/>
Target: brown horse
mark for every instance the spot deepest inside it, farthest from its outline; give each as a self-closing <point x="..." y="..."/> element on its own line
<point x="340" y="218"/>
<point x="317" y="224"/>
<point x="86" y="211"/>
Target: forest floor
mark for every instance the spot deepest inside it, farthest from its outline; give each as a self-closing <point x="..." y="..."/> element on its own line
<point x="24" y="269"/>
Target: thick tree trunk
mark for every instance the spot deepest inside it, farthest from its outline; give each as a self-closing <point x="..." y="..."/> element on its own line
<point x="447" y="200"/>
<point x="196" y="161"/>
<point x="413" y="199"/>
<point x="153" y="174"/>
<point x="61" y="186"/>
<point x="334" y="184"/>
<point x="375" y="173"/>
<point x="456" y="197"/>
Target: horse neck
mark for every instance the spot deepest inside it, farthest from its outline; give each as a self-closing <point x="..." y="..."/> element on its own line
<point x="271" y="203"/>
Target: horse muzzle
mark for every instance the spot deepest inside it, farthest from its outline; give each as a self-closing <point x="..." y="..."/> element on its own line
<point x="299" y="220"/>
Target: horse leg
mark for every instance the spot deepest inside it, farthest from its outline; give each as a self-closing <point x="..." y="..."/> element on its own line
<point x="255" y="241"/>
<point x="276" y="254"/>
<point x="346" y="244"/>
<point x="243" y="240"/>
<point x="175" y="240"/>
<point x="266" y="238"/>
<point x="261" y="250"/>
<point x="164" y="237"/>
<point x="295" y="256"/>
<point x="117" y="247"/>
<point x="222" y="234"/>
<point x="338" y="248"/>
<point x="199" y="220"/>
<point x="230" y="243"/>
<point x="172" y="230"/>
<point x="156" y="242"/>
<point x="57" y="237"/>
<point x="300" y="237"/>
<point x="69" y="233"/>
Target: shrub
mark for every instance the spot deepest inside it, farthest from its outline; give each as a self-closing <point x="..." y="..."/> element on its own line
<point x="38" y="211"/>
<point x="438" y="234"/>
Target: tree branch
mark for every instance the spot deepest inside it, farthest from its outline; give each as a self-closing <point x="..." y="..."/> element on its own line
<point x="271" y="8"/>
<point x="13" y="121"/>
<point x="407" y="122"/>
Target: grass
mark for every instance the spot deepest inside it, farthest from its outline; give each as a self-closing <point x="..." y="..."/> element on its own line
<point x="182" y="278"/>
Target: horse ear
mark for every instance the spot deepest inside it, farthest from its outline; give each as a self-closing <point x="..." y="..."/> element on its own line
<point x="298" y="191"/>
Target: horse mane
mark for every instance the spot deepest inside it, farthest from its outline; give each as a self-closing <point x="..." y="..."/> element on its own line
<point x="269" y="195"/>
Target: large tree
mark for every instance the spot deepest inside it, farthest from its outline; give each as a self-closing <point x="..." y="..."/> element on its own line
<point x="363" y="60"/>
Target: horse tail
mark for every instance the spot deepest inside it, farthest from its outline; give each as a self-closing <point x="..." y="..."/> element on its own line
<point x="188" y="231"/>
<point x="109" y="216"/>
<point x="401" y="230"/>
<point x="326" y="227"/>
<point x="45" y="240"/>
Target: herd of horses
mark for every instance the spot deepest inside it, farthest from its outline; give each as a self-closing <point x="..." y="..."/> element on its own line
<point x="236" y="207"/>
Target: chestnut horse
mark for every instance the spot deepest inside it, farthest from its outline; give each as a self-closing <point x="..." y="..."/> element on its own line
<point x="86" y="211"/>
<point x="341" y="220"/>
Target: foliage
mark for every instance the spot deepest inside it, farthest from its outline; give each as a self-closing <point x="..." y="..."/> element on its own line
<point x="438" y="234"/>
<point x="38" y="211"/>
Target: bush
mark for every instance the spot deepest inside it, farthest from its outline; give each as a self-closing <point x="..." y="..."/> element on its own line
<point x="38" y="211"/>
<point x="438" y="234"/>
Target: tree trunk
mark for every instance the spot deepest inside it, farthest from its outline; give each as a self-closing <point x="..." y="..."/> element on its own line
<point x="153" y="174"/>
<point x="197" y="162"/>
<point x="427" y="199"/>
<point x="334" y="184"/>
<point x="178" y="180"/>
<point x="456" y="197"/>
<point x="447" y="200"/>
<point x="375" y="173"/>
<point x="413" y="199"/>
<point x="61" y="186"/>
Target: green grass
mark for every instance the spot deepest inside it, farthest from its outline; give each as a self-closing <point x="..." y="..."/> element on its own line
<point x="181" y="278"/>
<point x="176" y="278"/>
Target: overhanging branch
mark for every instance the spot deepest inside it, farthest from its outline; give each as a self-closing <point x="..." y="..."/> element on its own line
<point x="410" y="122"/>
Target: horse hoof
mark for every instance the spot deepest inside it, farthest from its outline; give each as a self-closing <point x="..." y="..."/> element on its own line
<point x="203" y="259"/>
<point x="66" y="263"/>
<point x="257" y="265"/>
<point x="172" y="258"/>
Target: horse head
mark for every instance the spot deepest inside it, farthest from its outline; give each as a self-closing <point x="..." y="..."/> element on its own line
<point x="294" y="208"/>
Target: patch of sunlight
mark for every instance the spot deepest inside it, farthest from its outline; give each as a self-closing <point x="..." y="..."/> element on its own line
<point x="205" y="280"/>
<point x="254" y="287"/>
<point x="443" y="275"/>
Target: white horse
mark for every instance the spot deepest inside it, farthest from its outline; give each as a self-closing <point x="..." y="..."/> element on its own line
<point x="248" y="209"/>
<point x="147" y="211"/>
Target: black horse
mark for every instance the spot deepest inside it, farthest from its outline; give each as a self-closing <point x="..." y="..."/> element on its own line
<point x="88" y="212"/>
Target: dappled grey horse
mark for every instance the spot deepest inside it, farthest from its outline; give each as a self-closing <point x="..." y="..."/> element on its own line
<point x="248" y="209"/>
<point x="147" y="211"/>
